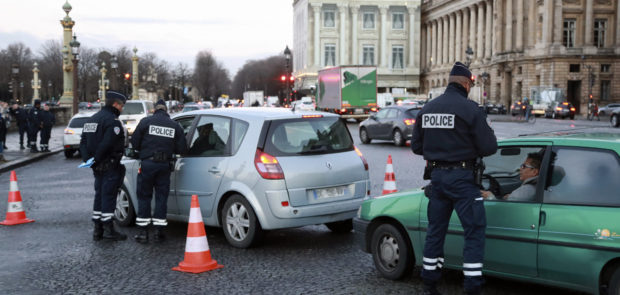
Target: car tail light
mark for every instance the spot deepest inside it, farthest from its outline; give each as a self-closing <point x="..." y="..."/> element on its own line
<point x="312" y="116"/>
<point x="373" y="109"/>
<point x="284" y="203"/>
<point x="69" y="131"/>
<point x="565" y="103"/>
<point x="267" y="165"/>
<point x="409" y="122"/>
<point x="558" y="109"/>
<point x="343" y="110"/>
<point x="359" y="153"/>
<point x="572" y="109"/>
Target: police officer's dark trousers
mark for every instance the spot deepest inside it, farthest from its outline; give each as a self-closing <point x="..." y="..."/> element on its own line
<point x="153" y="175"/>
<point x="23" y="128"/>
<point x="46" y="132"/>
<point x="107" y="183"/>
<point x="454" y="188"/>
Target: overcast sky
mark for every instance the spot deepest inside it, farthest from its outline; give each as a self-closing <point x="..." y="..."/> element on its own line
<point x="233" y="30"/>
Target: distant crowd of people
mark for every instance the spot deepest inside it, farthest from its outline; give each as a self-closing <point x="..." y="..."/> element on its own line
<point x="29" y="123"/>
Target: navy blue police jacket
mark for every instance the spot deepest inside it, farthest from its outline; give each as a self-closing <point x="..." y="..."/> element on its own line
<point x="34" y="117"/>
<point x="103" y="137"/>
<point x="21" y="117"/>
<point x="452" y="128"/>
<point x="47" y="119"/>
<point x="158" y="133"/>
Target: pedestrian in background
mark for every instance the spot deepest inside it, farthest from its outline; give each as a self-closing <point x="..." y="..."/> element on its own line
<point x="103" y="140"/>
<point x="451" y="132"/>
<point x="4" y="106"/>
<point x="47" y="122"/>
<point x="3" y="131"/>
<point x="157" y="139"/>
<point x="34" y="125"/>
<point x="21" y="118"/>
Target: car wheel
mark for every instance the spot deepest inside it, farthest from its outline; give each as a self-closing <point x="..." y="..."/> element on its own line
<point x="572" y="117"/>
<point x="364" y="135"/>
<point x="241" y="227"/>
<point x="124" y="213"/>
<point x="614" y="283"/>
<point x="343" y="226"/>
<point x="614" y="121"/>
<point x="391" y="252"/>
<point x="69" y="154"/>
<point x="397" y="136"/>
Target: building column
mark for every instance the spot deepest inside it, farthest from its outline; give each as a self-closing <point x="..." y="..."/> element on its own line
<point x="316" y="7"/>
<point x="414" y="34"/>
<point x="451" y="39"/>
<point x="547" y="23"/>
<point x="480" y="46"/>
<point x="618" y="29"/>
<point x="472" y="28"/>
<point x="434" y="38"/>
<point x="343" y="33"/>
<point x="439" y="47"/>
<point x="532" y="20"/>
<point x="354" y="13"/>
<point x="508" y="34"/>
<point x="384" y="50"/>
<point x="498" y="40"/>
<point x="519" y="36"/>
<point x="557" y="23"/>
<point x="589" y="23"/>
<point x="446" y="46"/>
<point x="465" y="31"/>
<point x="488" y="46"/>
<point x="459" y="37"/>
<point x="429" y="45"/>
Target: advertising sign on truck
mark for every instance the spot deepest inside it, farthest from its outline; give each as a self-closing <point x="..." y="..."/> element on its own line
<point x="347" y="90"/>
<point x="253" y="99"/>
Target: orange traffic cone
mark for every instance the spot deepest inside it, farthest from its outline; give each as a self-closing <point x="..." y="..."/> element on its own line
<point x="15" y="211"/>
<point x="197" y="253"/>
<point x="389" y="183"/>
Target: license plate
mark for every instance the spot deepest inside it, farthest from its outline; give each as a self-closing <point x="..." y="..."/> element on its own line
<point x="359" y="111"/>
<point x="331" y="192"/>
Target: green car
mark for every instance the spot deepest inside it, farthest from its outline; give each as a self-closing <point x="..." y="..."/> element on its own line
<point x="567" y="235"/>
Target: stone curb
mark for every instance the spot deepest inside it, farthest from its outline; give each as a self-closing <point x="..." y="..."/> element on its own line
<point x="8" y="166"/>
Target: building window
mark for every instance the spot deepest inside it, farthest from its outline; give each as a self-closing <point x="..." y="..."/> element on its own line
<point x="398" y="21"/>
<point x="519" y="70"/>
<point x="369" y="20"/>
<point x="605" y="89"/>
<point x="600" y="26"/>
<point x="397" y="57"/>
<point x="329" y="17"/>
<point x="574" y="68"/>
<point x="605" y="68"/>
<point x="569" y="32"/>
<point x="330" y="55"/>
<point x="369" y="55"/>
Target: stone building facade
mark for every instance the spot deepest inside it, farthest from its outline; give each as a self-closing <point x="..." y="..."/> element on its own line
<point x="573" y="45"/>
<point x="383" y="33"/>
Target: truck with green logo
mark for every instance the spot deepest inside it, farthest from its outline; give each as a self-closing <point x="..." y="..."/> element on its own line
<point x="350" y="91"/>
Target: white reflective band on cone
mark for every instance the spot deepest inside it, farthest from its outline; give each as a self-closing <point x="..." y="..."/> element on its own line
<point x="14" y="207"/>
<point x="472" y="273"/>
<point x="389" y="185"/>
<point x="389" y="169"/>
<point x="472" y="265"/>
<point x="13" y="186"/>
<point x="197" y="244"/>
<point x="195" y="215"/>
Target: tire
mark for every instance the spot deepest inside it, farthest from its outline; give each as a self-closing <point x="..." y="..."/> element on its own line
<point x="69" y="154"/>
<point x="340" y="227"/>
<point x="614" y="283"/>
<point x="391" y="252"/>
<point x="364" y="138"/>
<point x="239" y="222"/>
<point x="572" y="117"/>
<point x="124" y="213"/>
<point x="397" y="136"/>
<point x="614" y="121"/>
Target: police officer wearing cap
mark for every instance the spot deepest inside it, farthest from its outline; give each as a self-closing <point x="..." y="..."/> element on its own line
<point x="103" y="138"/>
<point x="34" y="125"/>
<point x="451" y="132"/>
<point x="157" y="139"/>
<point x="22" y="122"/>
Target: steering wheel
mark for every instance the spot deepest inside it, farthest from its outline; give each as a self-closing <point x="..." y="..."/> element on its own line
<point x="493" y="185"/>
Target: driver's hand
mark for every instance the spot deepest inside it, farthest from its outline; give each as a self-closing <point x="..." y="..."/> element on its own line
<point x="485" y="194"/>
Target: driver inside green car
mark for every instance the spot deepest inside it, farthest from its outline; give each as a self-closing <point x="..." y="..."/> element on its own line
<point x="528" y="173"/>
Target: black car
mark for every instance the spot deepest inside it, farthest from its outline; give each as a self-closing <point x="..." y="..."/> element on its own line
<point x="391" y="123"/>
<point x="497" y="108"/>
<point x="517" y="108"/>
<point x="561" y="111"/>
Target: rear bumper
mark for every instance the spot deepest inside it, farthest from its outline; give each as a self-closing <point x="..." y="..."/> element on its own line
<point x="359" y="230"/>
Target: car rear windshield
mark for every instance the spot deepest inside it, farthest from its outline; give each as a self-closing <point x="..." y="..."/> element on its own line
<point x="133" y="109"/>
<point x="78" y="122"/>
<point x="412" y="113"/>
<point x="308" y="136"/>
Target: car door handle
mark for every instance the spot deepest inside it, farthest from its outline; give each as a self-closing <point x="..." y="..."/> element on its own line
<point x="543" y="218"/>
<point x="214" y="170"/>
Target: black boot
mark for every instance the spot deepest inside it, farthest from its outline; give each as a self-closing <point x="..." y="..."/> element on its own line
<point x="98" y="231"/>
<point x="143" y="235"/>
<point x="21" y="146"/>
<point x="159" y="235"/>
<point x="33" y="149"/>
<point x="110" y="233"/>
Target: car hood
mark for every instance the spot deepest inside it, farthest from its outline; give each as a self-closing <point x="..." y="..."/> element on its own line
<point x="403" y="205"/>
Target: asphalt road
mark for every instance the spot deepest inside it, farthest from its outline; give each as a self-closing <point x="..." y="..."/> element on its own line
<point x="56" y="254"/>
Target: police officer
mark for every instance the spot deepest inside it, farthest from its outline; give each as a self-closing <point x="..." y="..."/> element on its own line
<point x="451" y="132"/>
<point x="34" y="125"/>
<point x="103" y="138"/>
<point x="22" y="123"/>
<point x="47" y="122"/>
<point x="157" y="138"/>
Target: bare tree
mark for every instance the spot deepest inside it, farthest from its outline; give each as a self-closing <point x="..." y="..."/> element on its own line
<point x="50" y="69"/>
<point x="21" y="55"/>
<point x="210" y="77"/>
<point x="264" y="74"/>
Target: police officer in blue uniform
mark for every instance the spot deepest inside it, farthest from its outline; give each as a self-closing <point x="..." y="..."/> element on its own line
<point x="22" y="123"/>
<point x="157" y="139"/>
<point x="34" y="125"/>
<point x="451" y="132"/>
<point x="47" y="122"/>
<point x="103" y="138"/>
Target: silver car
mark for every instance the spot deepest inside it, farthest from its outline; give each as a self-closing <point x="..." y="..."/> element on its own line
<point x="257" y="169"/>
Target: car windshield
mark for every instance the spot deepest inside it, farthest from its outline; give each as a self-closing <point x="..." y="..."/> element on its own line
<point x="133" y="109"/>
<point x="308" y="136"/>
<point x="78" y="122"/>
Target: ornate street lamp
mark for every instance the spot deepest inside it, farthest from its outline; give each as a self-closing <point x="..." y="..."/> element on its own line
<point x="114" y="66"/>
<point x="484" y="78"/>
<point x="287" y="55"/>
<point x="103" y="83"/>
<point x="15" y="73"/>
<point x="75" y="51"/>
<point x="469" y="54"/>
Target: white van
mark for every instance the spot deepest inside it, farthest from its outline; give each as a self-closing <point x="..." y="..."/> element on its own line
<point x="134" y="111"/>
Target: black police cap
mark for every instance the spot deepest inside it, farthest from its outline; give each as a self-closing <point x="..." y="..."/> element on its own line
<point x="460" y="69"/>
<point x="113" y="95"/>
<point x="37" y="102"/>
<point x="160" y="102"/>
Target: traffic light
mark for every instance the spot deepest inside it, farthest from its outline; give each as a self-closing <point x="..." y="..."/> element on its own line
<point x="127" y="76"/>
<point x="283" y="78"/>
<point x="292" y="78"/>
